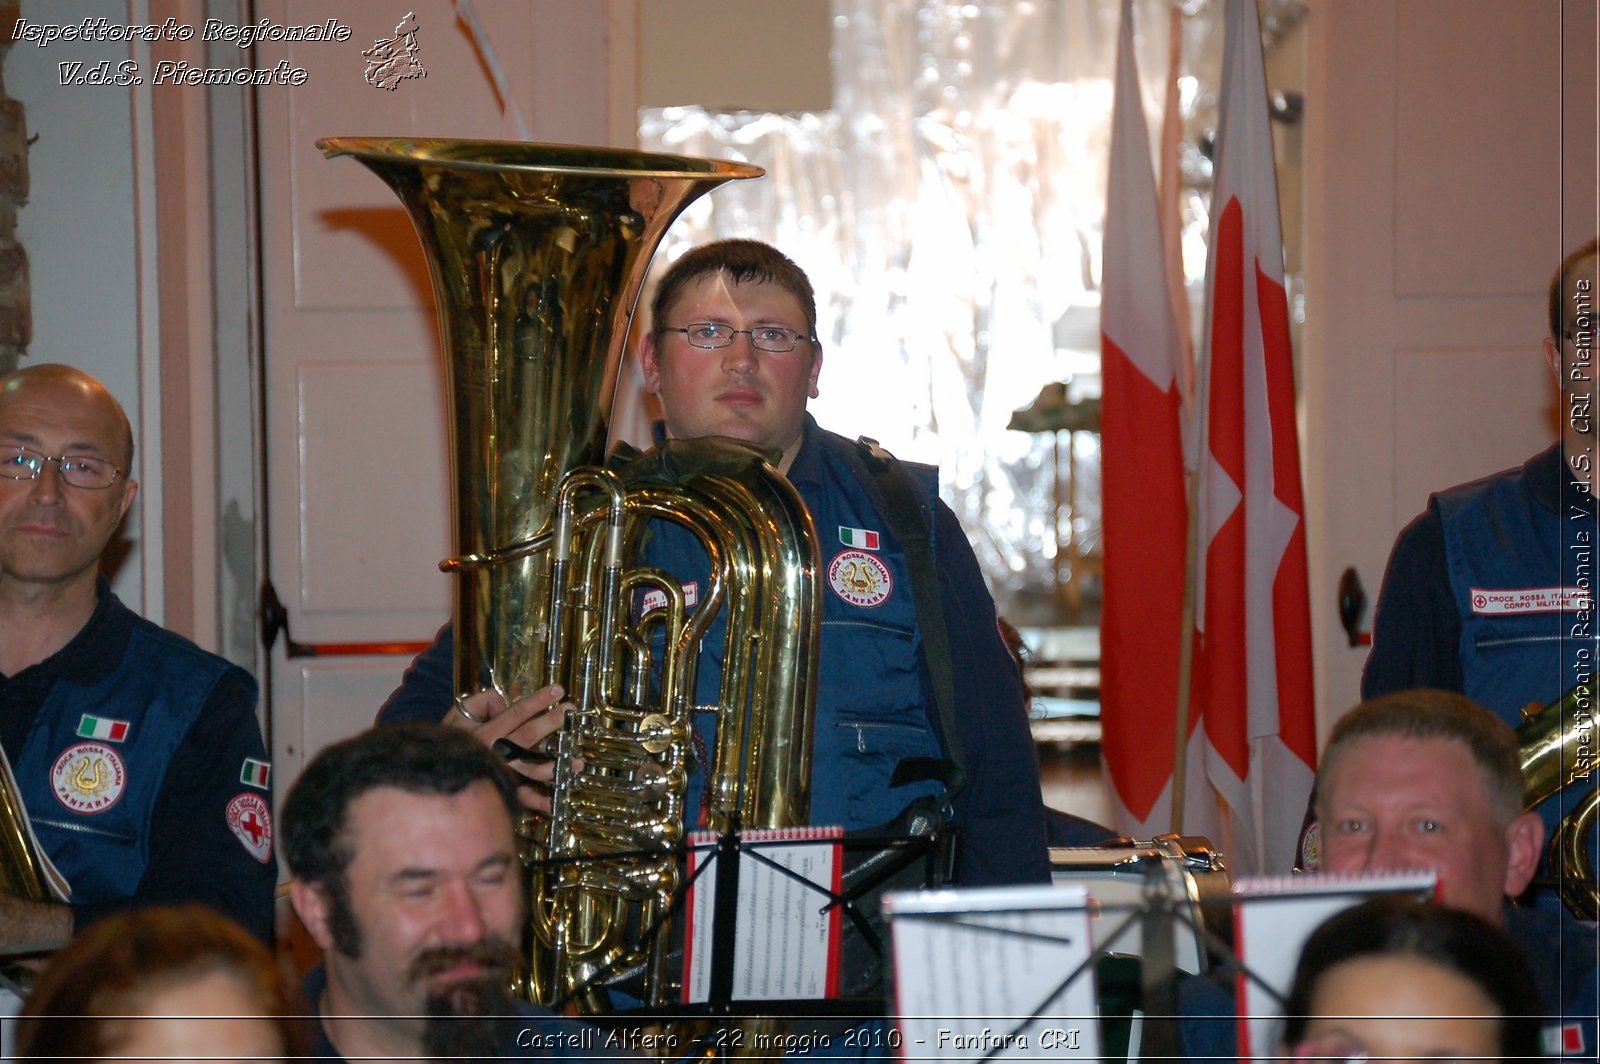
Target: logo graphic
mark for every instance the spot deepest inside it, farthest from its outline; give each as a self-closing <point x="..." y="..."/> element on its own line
<point x="392" y="61"/>
<point x="88" y="778"/>
<point x="91" y="727"/>
<point x="656" y="599"/>
<point x="255" y="773"/>
<point x="860" y="578"/>
<point x="1529" y="600"/>
<point x="251" y="823"/>
<point x="1311" y="846"/>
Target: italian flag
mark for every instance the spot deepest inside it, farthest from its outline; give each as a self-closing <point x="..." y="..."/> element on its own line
<point x="255" y="772"/>
<point x="858" y="537"/>
<point x="102" y="728"/>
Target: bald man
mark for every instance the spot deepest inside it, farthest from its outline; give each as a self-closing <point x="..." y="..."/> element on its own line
<point x="136" y="754"/>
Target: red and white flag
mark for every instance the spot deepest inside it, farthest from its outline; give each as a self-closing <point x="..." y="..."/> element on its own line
<point x="1144" y="514"/>
<point x="1252" y="666"/>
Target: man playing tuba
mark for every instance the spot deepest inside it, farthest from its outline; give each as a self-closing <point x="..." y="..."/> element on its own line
<point x="733" y="351"/>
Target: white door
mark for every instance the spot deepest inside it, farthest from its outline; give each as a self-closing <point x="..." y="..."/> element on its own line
<point x="1450" y="164"/>
<point x="357" y="492"/>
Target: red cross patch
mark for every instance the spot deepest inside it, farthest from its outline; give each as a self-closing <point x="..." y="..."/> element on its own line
<point x="251" y="823"/>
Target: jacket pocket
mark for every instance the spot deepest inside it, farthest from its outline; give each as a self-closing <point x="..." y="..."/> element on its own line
<point x="77" y="827"/>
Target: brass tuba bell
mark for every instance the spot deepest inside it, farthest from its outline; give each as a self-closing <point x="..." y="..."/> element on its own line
<point x="1556" y="746"/>
<point x="537" y="254"/>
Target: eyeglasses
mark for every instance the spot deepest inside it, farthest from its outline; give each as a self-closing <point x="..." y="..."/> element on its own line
<point x="710" y="335"/>
<point x="77" y="470"/>
<point x="1328" y="1053"/>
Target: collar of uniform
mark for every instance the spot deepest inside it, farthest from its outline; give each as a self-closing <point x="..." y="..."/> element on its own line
<point x="90" y="655"/>
<point x="805" y="466"/>
<point x="1551" y="482"/>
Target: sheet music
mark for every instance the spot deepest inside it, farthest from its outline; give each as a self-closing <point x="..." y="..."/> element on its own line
<point x="1273" y="917"/>
<point x="786" y="946"/>
<point x="971" y="967"/>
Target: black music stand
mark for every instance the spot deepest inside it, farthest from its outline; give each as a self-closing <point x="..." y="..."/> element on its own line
<point x="874" y="861"/>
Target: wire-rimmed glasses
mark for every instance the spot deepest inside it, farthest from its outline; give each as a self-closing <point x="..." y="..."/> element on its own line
<point x="711" y="335"/>
<point x="78" y="470"/>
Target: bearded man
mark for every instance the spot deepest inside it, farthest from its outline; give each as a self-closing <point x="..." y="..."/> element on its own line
<point x="404" y="859"/>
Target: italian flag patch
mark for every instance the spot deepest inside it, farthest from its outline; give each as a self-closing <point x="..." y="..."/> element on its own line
<point x="864" y="538"/>
<point x="255" y="772"/>
<point x="1562" y="1039"/>
<point x="91" y="727"/>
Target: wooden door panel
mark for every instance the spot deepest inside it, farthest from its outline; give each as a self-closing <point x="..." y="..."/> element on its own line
<point x="1450" y="164"/>
<point x="358" y="492"/>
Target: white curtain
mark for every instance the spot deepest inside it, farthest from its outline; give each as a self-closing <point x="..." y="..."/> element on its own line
<point x="948" y="210"/>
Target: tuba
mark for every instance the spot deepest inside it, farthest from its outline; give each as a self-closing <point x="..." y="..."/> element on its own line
<point x="1556" y="746"/>
<point x="537" y="255"/>
<point x="25" y="872"/>
<point x="22" y="865"/>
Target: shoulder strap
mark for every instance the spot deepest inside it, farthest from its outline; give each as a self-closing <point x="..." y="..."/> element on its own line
<point x="912" y="525"/>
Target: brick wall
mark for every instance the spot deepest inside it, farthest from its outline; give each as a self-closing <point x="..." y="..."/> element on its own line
<point x="16" y="312"/>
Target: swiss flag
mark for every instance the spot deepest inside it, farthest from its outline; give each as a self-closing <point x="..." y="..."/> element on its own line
<point x="1143" y="509"/>
<point x="1252" y="694"/>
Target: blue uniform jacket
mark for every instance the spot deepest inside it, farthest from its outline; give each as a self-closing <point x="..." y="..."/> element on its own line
<point x="1472" y="600"/>
<point x="134" y="771"/>
<point x="874" y="705"/>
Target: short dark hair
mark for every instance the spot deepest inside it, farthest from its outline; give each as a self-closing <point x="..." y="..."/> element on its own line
<point x="745" y="262"/>
<point x="1452" y="939"/>
<point x="1558" y="285"/>
<point x="107" y="970"/>
<point x="419" y="758"/>
<point x="1427" y="714"/>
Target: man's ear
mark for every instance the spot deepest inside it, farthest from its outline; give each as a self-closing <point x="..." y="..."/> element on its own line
<point x="1524" y="845"/>
<point x="649" y="362"/>
<point x="312" y="906"/>
<point x="130" y="491"/>
<point x="816" y="368"/>
<point x="1552" y="356"/>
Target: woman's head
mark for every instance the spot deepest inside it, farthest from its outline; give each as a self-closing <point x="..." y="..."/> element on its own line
<point x="162" y="982"/>
<point x="1410" y="980"/>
